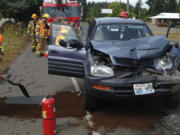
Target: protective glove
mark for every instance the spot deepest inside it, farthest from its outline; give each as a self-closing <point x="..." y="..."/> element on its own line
<point x="46" y="26"/>
<point x="1" y="51"/>
<point x="37" y="37"/>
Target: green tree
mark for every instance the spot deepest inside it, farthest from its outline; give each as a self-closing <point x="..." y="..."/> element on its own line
<point x="150" y="2"/>
<point x="156" y="6"/>
<point x="171" y="5"/>
<point x="21" y="10"/>
<point x="94" y="11"/>
<point x="117" y="8"/>
<point x="137" y="9"/>
<point x="90" y="15"/>
<point x="178" y="6"/>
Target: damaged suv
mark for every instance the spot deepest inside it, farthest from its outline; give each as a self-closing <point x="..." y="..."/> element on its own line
<point x="120" y="58"/>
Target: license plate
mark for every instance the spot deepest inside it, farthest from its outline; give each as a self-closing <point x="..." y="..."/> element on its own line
<point x="143" y="89"/>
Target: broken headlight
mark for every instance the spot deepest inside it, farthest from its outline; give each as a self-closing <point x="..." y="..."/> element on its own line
<point x="164" y="63"/>
<point x="101" y="71"/>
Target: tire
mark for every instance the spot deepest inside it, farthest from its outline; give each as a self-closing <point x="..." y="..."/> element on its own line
<point x="172" y="101"/>
<point x="90" y="102"/>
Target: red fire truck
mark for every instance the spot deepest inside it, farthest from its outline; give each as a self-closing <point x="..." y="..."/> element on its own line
<point x="61" y="10"/>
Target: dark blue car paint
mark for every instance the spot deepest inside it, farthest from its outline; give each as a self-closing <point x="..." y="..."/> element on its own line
<point x="164" y="85"/>
<point x="73" y="62"/>
<point x="64" y="61"/>
<point x="138" y="49"/>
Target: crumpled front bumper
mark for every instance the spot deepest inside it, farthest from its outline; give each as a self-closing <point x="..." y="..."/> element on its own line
<point x="163" y="85"/>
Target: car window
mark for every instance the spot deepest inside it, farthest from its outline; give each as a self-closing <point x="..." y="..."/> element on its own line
<point x="121" y="32"/>
<point x="54" y="12"/>
<point x="71" y="11"/>
<point x="62" y="32"/>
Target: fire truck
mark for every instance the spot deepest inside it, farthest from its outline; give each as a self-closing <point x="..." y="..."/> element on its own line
<point x="62" y="9"/>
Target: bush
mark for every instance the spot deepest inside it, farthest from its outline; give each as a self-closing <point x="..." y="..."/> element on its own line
<point x="20" y="10"/>
<point x="13" y="42"/>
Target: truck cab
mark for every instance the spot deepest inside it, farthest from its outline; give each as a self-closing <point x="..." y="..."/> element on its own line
<point x="68" y="11"/>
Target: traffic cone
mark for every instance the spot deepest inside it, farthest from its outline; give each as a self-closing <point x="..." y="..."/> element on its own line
<point x="46" y="54"/>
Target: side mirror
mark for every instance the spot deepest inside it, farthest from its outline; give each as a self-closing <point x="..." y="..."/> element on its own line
<point x="62" y="43"/>
<point x="174" y="43"/>
<point x="76" y="44"/>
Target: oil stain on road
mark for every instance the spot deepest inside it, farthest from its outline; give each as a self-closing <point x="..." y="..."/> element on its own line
<point x="111" y="115"/>
<point x="128" y="114"/>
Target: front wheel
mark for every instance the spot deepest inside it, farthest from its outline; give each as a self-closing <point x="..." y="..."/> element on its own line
<point x="172" y="101"/>
<point x="90" y="102"/>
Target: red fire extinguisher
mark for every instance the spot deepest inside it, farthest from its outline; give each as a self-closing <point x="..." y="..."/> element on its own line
<point x="49" y="116"/>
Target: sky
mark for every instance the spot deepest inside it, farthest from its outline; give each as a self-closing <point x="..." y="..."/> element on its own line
<point x="132" y="2"/>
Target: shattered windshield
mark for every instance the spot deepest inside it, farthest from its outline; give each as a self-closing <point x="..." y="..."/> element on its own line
<point x="62" y="32"/>
<point x="121" y="32"/>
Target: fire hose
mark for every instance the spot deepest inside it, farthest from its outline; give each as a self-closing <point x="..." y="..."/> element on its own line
<point x="22" y="88"/>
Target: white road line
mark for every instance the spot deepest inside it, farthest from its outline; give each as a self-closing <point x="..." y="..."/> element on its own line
<point x="91" y="124"/>
<point x="75" y="84"/>
<point x="88" y="117"/>
<point x="95" y="133"/>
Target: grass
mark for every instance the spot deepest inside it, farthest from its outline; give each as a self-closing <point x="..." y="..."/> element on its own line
<point x="172" y="36"/>
<point x="13" y="42"/>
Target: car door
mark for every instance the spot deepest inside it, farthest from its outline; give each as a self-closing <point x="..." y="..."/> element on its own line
<point x="66" y="61"/>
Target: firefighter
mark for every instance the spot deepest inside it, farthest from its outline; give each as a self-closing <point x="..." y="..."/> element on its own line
<point x="1" y="49"/>
<point x="62" y="34"/>
<point x="62" y="21"/>
<point x="59" y="38"/>
<point x="42" y="35"/>
<point x="124" y="14"/>
<point x="31" y="31"/>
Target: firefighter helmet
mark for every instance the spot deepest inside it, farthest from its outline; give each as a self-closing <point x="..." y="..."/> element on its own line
<point x="46" y="16"/>
<point x="124" y="14"/>
<point x="34" y="16"/>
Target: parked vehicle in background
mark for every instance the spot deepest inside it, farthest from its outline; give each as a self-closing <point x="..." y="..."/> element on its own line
<point x="119" y="59"/>
<point x="7" y="21"/>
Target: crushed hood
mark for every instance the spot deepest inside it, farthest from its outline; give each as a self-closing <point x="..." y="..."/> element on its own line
<point x="142" y="49"/>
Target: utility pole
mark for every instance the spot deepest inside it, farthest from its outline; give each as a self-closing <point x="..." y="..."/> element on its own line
<point x="128" y="6"/>
<point x="139" y="9"/>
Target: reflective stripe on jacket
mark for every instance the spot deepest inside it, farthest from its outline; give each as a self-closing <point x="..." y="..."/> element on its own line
<point x="31" y="28"/>
<point x="1" y="48"/>
<point x="41" y="30"/>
